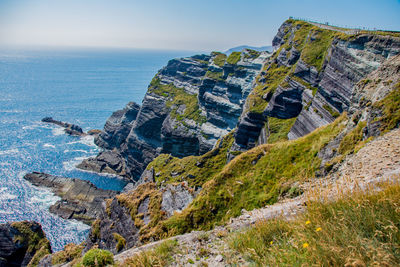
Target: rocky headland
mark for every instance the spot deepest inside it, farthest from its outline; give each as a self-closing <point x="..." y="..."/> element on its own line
<point x="80" y="200"/>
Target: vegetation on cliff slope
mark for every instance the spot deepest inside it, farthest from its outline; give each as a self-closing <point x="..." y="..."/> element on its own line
<point x="178" y="97"/>
<point x="357" y="230"/>
<point x="311" y="42"/>
<point x="390" y="107"/>
<point x="196" y="170"/>
<point x="253" y="179"/>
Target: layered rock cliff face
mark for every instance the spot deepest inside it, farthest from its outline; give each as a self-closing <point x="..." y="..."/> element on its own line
<point x="22" y="243"/>
<point x="190" y="104"/>
<point x="308" y="81"/>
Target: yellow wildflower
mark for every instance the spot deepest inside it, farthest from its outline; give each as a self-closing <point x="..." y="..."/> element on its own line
<point x="305" y="245"/>
<point x="318" y="229"/>
<point x="271" y="242"/>
<point x="308" y="222"/>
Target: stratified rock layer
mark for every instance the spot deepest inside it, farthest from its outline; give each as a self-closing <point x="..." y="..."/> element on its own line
<point x="314" y="93"/>
<point x="190" y="104"/>
<point x="80" y="199"/>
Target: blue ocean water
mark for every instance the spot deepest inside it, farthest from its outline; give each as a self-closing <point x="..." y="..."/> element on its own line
<point x="77" y="86"/>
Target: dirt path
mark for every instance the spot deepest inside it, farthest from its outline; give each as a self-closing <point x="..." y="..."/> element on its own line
<point x="332" y="28"/>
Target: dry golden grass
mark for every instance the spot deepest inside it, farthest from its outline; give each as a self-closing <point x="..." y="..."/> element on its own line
<point x="357" y="229"/>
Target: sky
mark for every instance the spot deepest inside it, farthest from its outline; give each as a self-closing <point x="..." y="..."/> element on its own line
<point x="197" y="25"/>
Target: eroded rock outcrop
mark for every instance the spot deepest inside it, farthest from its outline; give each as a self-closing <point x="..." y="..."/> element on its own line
<point x="80" y="199"/>
<point x="129" y="218"/>
<point x="189" y="105"/>
<point x="22" y="243"/>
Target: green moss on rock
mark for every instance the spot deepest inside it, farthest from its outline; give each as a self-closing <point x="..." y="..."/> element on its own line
<point x="234" y="58"/>
<point x="219" y="58"/>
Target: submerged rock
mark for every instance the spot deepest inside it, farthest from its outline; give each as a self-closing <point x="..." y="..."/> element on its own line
<point x="80" y="200"/>
<point x="69" y="128"/>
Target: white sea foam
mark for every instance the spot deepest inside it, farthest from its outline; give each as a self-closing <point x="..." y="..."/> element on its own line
<point x="5" y="195"/>
<point x="33" y="126"/>
<point x="86" y="140"/>
<point x="71" y="164"/>
<point x="49" y="145"/>
<point x="10" y="111"/>
<point x="9" y="151"/>
<point x="76" y="150"/>
<point x="4" y="212"/>
<point x="43" y="196"/>
<point x="58" y="131"/>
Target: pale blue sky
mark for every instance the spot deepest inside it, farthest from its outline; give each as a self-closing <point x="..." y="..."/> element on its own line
<point x="176" y="24"/>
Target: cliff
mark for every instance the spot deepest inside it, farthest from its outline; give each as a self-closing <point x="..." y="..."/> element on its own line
<point x="189" y="105"/>
<point x="309" y="80"/>
<point x="302" y="112"/>
<point x="22" y="244"/>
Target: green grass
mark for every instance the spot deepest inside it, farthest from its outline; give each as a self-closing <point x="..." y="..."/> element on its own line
<point x="177" y="97"/>
<point x="390" y="107"/>
<point x="253" y="179"/>
<point x="219" y="58"/>
<point x="159" y="256"/>
<point x="234" y="58"/>
<point x="202" y="168"/>
<point x="96" y="258"/>
<point x="70" y="253"/>
<point x="359" y="230"/>
<point x="279" y="129"/>
<point x="315" y="51"/>
<point x="214" y="75"/>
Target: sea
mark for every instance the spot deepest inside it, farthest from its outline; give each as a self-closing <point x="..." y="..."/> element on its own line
<point x="80" y="86"/>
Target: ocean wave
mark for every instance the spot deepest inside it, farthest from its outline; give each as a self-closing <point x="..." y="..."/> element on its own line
<point x="11" y="111"/>
<point x="49" y="145"/>
<point x="87" y="140"/>
<point x="70" y="165"/>
<point x="58" y="131"/>
<point x="9" y="151"/>
<point x="43" y="196"/>
<point x="5" y="195"/>
<point x="103" y="174"/>
<point x="76" y="150"/>
<point x="5" y="212"/>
